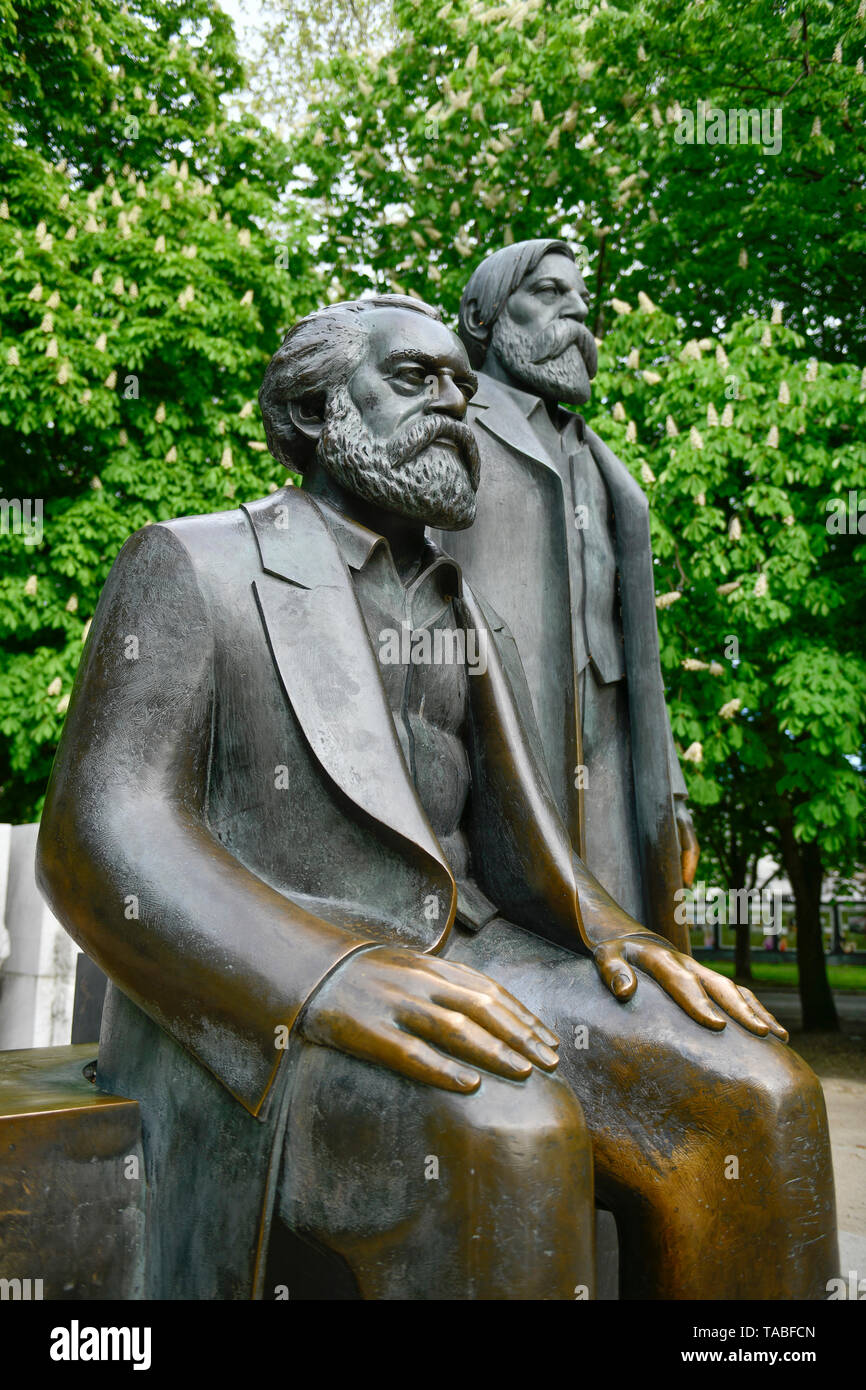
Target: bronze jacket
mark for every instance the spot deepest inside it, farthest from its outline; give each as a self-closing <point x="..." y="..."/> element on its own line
<point x="230" y="817"/>
<point x="516" y="553"/>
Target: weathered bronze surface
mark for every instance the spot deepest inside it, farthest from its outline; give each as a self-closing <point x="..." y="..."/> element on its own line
<point x="72" y="1186"/>
<point x="364" y="987"/>
<point x="90" y="985"/>
<point x="561" y="547"/>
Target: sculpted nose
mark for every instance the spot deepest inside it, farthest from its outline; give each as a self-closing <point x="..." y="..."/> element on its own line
<point x="575" y="306"/>
<point x="446" y="398"/>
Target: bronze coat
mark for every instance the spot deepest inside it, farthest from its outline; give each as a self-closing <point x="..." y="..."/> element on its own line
<point x="227" y="658"/>
<point x="516" y="554"/>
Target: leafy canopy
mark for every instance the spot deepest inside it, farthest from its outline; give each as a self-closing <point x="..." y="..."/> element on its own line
<point x="150" y="263"/>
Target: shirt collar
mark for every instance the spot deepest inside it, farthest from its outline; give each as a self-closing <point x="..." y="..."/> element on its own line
<point x="358" y="545"/>
<point x="529" y="404"/>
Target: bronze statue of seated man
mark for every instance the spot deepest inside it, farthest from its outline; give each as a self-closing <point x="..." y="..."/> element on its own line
<point x="363" y="986"/>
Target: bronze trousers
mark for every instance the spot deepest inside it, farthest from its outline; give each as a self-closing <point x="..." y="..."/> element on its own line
<point x="711" y="1149"/>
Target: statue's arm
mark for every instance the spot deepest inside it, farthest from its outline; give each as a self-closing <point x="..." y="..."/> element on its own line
<point x="579" y="913"/>
<point x="125" y="857"/>
<point x="621" y="947"/>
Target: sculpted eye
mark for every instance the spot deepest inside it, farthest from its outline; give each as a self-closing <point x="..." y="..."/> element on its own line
<point x="411" y="375"/>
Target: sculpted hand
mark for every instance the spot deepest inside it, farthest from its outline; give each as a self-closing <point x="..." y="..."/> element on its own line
<point x="427" y="1019"/>
<point x="696" y="989"/>
<point x="689" y="848"/>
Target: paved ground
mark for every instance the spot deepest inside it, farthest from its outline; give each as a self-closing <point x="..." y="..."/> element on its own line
<point x="840" y="1061"/>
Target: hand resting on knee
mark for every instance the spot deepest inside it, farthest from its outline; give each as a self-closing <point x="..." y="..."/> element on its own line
<point x="429" y="1019"/>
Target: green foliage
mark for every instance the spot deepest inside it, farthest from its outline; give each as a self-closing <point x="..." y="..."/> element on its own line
<point x="142" y="294"/>
<point x="741" y="446"/>
<point x="485" y="123"/>
<point x="454" y="130"/>
<point x="293" y="42"/>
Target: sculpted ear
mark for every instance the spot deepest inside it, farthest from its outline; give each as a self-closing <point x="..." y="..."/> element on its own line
<point x="472" y="321"/>
<point x="307" y="418"/>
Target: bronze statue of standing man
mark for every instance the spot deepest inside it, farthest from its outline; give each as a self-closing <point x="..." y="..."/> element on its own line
<point x="561" y="547"/>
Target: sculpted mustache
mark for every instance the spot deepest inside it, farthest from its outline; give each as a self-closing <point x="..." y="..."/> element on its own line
<point x="413" y="440"/>
<point x="561" y="334"/>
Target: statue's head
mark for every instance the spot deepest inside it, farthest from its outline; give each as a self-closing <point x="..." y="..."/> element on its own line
<point x="522" y="316"/>
<point x="374" y="392"/>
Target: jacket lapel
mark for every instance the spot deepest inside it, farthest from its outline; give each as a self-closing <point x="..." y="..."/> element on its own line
<point x="520" y="847"/>
<point x="318" y="641"/>
<point x="496" y="411"/>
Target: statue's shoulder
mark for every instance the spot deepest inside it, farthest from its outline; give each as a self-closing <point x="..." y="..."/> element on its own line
<point x="194" y="531"/>
<point x="209" y="532"/>
<point x="216" y="541"/>
<point x="209" y="541"/>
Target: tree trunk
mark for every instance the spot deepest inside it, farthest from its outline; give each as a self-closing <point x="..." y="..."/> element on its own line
<point x="739" y="867"/>
<point x="742" y="951"/>
<point x="803" y="866"/>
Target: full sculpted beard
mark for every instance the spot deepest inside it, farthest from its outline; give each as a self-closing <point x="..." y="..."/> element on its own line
<point x="558" y="363"/>
<point x="409" y="474"/>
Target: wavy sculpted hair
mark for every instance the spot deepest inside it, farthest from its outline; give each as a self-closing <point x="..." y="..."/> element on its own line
<point x="316" y="356"/>
<point x="491" y="284"/>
